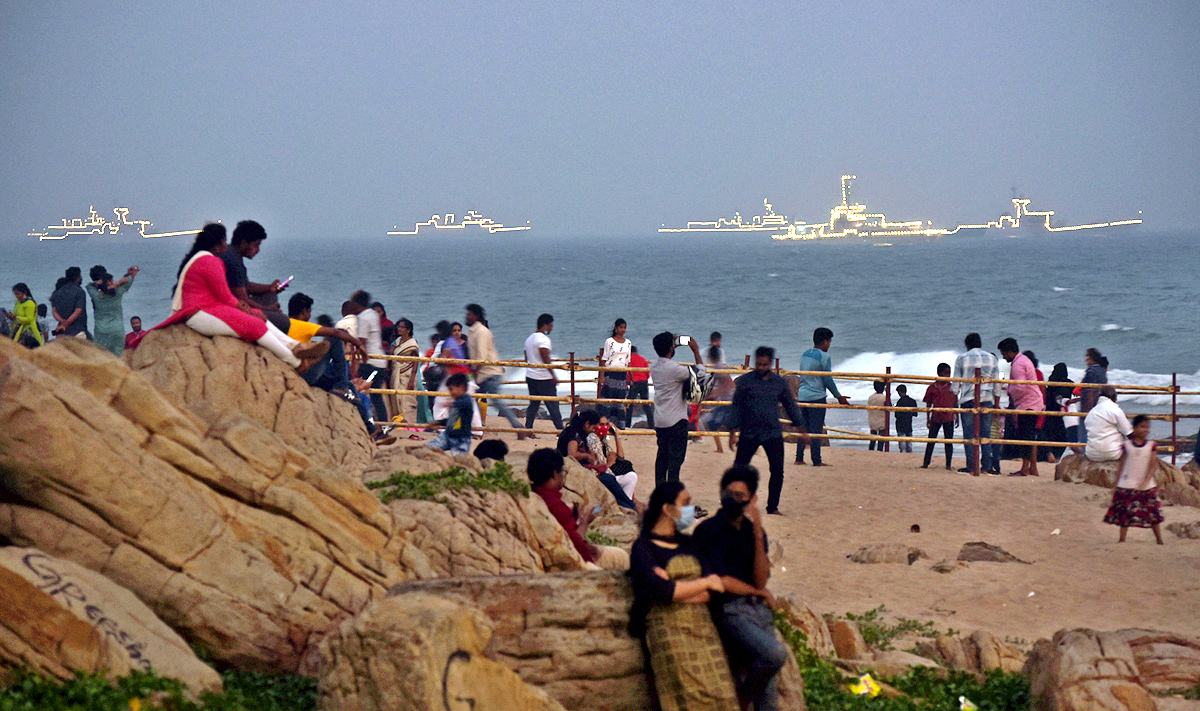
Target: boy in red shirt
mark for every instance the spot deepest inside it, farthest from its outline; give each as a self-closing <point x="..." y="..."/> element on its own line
<point x="940" y="394"/>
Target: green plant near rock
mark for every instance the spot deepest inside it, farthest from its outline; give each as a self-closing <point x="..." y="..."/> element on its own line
<point x="429" y="487"/>
<point x="826" y="688"/>
<point x="599" y="539"/>
<point x="146" y="691"/>
<point x="878" y="634"/>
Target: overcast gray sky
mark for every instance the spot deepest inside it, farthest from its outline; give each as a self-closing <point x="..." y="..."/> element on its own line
<point x="342" y="120"/>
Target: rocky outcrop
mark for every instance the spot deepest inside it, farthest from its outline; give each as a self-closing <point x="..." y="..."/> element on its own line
<point x="848" y="641"/>
<point x="804" y="618"/>
<point x="1185" y="530"/>
<point x="59" y="618"/>
<point x="1175" y="485"/>
<point x="983" y="552"/>
<point x="978" y="652"/>
<point x="232" y="537"/>
<point x="563" y="633"/>
<point x="420" y="652"/>
<point x="887" y="553"/>
<point x="215" y="378"/>
<point x="1084" y="669"/>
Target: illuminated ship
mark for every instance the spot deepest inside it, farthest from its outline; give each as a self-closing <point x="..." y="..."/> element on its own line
<point x="853" y="220"/>
<point x="768" y="222"/>
<point x="94" y="225"/>
<point x="1026" y="222"/>
<point x="472" y="222"/>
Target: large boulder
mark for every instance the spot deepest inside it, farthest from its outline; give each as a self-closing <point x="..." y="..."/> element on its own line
<point x="231" y="536"/>
<point x="424" y="653"/>
<point x="218" y="377"/>
<point x="563" y="633"/>
<point x="1083" y="669"/>
<point x="980" y="651"/>
<point x="58" y="618"/>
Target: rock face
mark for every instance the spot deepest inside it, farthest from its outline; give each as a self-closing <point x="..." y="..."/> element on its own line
<point x="1185" y="530"/>
<point x="1085" y="669"/>
<point x="980" y="651"/>
<point x="423" y="653"/>
<point x="887" y="553"/>
<point x="58" y="618"/>
<point x="979" y="551"/>
<point x="563" y="633"/>
<point x="848" y="640"/>
<point x="806" y="619"/>
<point x="1175" y="485"/>
<point x="232" y="537"/>
<point x="218" y="377"/>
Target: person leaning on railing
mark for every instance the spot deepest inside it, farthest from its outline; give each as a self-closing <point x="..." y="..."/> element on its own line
<point x="989" y="394"/>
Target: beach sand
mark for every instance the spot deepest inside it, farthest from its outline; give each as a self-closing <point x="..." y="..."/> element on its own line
<point x="1079" y="578"/>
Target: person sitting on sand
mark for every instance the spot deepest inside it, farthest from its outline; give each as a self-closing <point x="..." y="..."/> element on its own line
<point x="669" y="613"/>
<point x="734" y="546"/>
<point x="204" y="303"/>
<point x="1107" y="427"/>
<point x="546" y="476"/>
<point x="456" y="437"/>
<point x="1135" y="500"/>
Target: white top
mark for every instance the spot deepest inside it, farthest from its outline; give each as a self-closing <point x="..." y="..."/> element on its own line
<point x="1138" y="470"/>
<point x="616" y="355"/>
<point x="370" y="330"/>
<point x="1107" y="428"/>
<point x="533" y="354"/>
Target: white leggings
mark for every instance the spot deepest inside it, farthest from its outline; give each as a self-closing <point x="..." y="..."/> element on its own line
<point x="628" y="483"/>
<point x="273" y="340"/>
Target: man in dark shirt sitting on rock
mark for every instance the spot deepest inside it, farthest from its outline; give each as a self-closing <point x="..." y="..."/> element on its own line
<point x="754" y="421"/>
<point x="733" y="545"/>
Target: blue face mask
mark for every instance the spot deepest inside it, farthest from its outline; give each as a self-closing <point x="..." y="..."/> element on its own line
<point x="687" y="516"/>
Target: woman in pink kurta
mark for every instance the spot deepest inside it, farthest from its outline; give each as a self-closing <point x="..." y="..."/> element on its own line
<point x="204" y="302"/>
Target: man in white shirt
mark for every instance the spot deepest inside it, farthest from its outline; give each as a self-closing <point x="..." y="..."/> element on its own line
<point x="670" y="409"/>
<point x="1107" y="428"/>
<point x="541" y="381"/>
<point x="370" y="335"/>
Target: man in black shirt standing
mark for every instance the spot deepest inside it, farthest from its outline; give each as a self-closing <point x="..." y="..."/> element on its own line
<point x="754" y="421"/>
<point x="733" y="545"/>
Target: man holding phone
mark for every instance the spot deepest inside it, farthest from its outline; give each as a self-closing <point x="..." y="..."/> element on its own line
<point x="670" y="408"/>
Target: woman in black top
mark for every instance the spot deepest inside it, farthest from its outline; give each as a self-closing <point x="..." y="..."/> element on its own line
<point x="670" y="590"/>
<point x="1055" y="429"/>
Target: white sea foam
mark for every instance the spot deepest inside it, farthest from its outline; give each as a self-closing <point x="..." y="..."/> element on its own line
<point x="1115" y="327"/>
<point x="1063" y="288"/>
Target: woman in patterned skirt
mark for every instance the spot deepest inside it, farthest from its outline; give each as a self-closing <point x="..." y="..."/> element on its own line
<point x="670" y="590"/>
<point x="1135" y="500"/>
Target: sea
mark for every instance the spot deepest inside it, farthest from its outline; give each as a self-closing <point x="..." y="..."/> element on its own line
<point x="906" y="303"/>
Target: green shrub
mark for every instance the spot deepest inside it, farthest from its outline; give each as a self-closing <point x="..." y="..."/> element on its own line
<point x="427" y="487"/>
<point x="599" y="539"/>
<point x="880" y="635"/>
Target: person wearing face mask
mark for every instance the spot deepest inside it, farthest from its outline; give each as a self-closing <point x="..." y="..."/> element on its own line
<point x="733" y="545"/>
<point x="546" y="476"/>
<point x="670" y="589"/>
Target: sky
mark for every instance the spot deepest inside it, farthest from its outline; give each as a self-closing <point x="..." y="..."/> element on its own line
<point x="594" y="118"/>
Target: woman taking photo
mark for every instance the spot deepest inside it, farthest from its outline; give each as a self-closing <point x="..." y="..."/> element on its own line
<point x="669" y="612"/>
<point x="108" y="318"/>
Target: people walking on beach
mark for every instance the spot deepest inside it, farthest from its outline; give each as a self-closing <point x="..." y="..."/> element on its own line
<point x="481" y="345"/>
<point x="877" y="419"/>
<point x="1135" y="499"/>
<point x="812" y="393"/>
<point x="542" y="382"/>
<point x="1025" y="398"/>
<point x="671" y="589"/>
<point x="69" y="306"/>
<point x="370" y="336"/>
<point x="615" y="384"/>
<point x="203" y="301"/>
<point x="108" y="318"/>
<point x="754" y="419"/>
<point x="639" y="388"/>
<point x="404" y="373"/>
<point x="734" y="545"/>
<point x="989" y="394"/>
<point x="670" y="407"/>
<point x="1097" y="372"/>
<point x="1107" y="427"/>
<point x="24" y="317"/>
<point x="904" y="420"/>
<point x="940" y="394"/>
<point x="547" y="478"/>
<point x="245" y="243"/>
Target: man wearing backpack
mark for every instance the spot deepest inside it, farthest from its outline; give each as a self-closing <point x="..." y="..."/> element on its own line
<point x="671" y="379"/>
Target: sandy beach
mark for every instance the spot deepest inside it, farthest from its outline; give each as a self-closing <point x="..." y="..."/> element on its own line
<point x="1079" y="578"/>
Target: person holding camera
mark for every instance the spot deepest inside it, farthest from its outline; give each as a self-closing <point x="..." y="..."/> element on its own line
<point x="670" y="407"/>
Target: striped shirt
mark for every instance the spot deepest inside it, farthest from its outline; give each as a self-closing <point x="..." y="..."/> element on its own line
<point x="964" y="367"/>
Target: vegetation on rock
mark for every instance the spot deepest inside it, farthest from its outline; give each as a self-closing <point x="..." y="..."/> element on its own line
<point x="878" y="634"/>
<point x="428" y="487"/>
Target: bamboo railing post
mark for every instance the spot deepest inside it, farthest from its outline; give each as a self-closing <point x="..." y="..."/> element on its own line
<point x="887" y="415"/>
<point x="573" y="403"/>
<point x="776" y="365"/>
<point x="746" y="362"/>
<point x="1174" y="442"/>
<point x="975" y="441"/>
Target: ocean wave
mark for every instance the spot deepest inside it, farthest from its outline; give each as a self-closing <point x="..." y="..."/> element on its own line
<point x="1063" y="288"/>
<point x="1115" y="327"/>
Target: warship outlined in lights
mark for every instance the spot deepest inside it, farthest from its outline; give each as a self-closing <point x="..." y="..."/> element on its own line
<point x="853" y="220"/>
<point x="473" y="221"/>
<point x="768" y="222"/>
<point x="94" y="224"/>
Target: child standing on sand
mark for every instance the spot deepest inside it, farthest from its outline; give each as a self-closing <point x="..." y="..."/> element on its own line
<point x="1135" y="500"/>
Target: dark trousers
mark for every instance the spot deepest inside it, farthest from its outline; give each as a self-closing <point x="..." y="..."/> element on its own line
<point x="748" y="631"/>
<point x="547" y="388"/>
<point x="380" y="381"/>
<point x="904" y="431"/>
<point x="639" y="390"/>
<point x="948" y="429"/>
<point x="614" y="390"/>
<point x="773" y="448"/>
<point x="877" y="443"/>
<point x="814" y="424"/>
<point x="672" y="448"/>
<point x="614" y="487"/>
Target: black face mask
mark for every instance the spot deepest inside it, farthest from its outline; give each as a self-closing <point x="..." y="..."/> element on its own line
<point x="733" y="507"/>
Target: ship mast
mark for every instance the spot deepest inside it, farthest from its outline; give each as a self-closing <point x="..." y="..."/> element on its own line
<point x="846" y="189"/>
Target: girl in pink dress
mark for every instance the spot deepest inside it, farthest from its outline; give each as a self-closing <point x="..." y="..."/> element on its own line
<point x="203" y="302"/>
